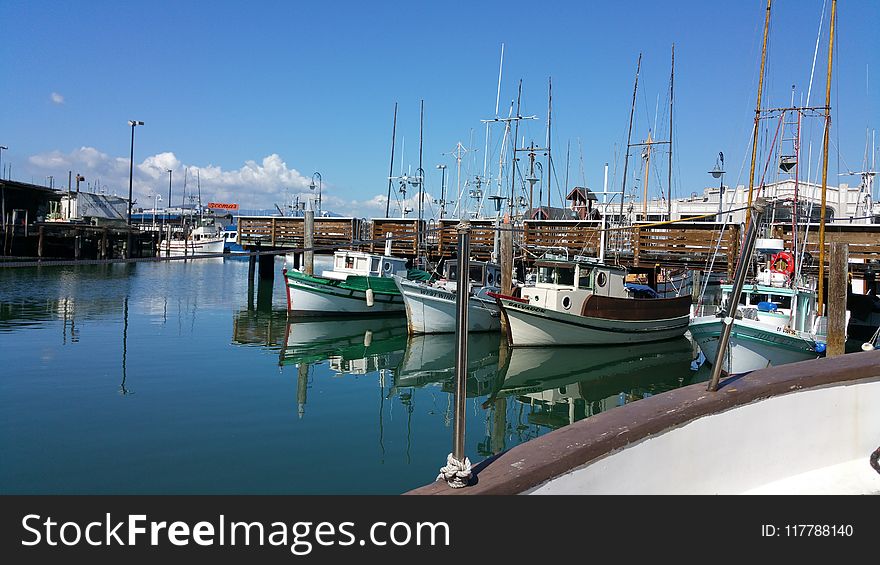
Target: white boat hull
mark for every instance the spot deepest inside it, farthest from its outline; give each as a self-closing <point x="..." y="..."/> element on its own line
<point x="753" y="344"/>
<point x="433" y="310"/>
<point x="530" y="325"/>
<point x="309" y="298"/>
<point x="179" y="248"/>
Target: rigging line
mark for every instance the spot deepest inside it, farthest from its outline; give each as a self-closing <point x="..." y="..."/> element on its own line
<point x="816" y="51"/>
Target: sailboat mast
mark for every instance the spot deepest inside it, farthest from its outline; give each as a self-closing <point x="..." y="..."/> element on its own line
<point x="758" y="115"/>
<point x="391" y="171"/>
<point x="632" y="112"/>
<point x="821" y="293"/>
<point x="549" y="169"/>
<point x="515" y="137"/>
<point x="669" y="179"/>
<point x="419" y="234"/>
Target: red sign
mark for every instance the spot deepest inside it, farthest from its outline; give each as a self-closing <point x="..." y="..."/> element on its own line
<point x="222" y="206"/>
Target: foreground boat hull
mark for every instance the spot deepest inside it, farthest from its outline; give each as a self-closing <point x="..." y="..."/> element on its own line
<point x="309" y="296"/>
<point x="530" y="325"/>
<point x="753" y="345"/>
<point x="433" y="310"/>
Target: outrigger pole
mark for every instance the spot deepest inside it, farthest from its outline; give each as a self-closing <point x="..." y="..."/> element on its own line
<point x="821" y="293"/>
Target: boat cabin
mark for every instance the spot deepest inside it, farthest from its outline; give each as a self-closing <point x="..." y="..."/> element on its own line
<point x="347" y="263"/>
<point x="480" y="273"/>
<point x="565" y="285"/>
<point x="793" y="308"/>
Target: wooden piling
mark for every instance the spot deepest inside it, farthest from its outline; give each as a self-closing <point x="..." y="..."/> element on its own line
<point x="252" y="265"/>
<point x="77" y="243"/>
<point x="837" y="287"/>
<point x="104" y="251"/>
<point x="40" y="243"/>
<point x="309" y="242"/>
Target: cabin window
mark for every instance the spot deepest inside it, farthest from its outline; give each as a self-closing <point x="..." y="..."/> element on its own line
<point x="375" y="266"/>
<point x="585" y="279"/>
<point x="386" y="267"/>
<point x="349" y="262"/>
<point x="556" y="275"/>
<point x="452" y="272"/>
<point x="601" y="279"/>
<point x="490" y="279"/>
<point x="475" y="273"/>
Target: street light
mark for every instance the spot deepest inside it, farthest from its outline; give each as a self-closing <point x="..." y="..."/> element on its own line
<point x="312" y="187"/>
<point x="442" y="190"/>
<point x="718" y="172"/>
<point x="156" y="199"/>
<point x="133" y="124"/>
<point x="2" y="147"/>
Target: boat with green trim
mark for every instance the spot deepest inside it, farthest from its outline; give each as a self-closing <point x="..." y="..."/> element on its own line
<point x="359" y="283"/>
<point x="773" y="325"/>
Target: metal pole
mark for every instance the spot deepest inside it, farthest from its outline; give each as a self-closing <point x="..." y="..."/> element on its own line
<point x="457" y="471"/>
<point x="669" y="180"/>
<point x="391" y="170"/>
<point x="461" y="331"/>
<point x="739" y="278"/>
<point x="309" y="242"/>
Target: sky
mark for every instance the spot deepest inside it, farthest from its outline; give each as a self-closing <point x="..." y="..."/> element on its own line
<point x="254" y="98"/>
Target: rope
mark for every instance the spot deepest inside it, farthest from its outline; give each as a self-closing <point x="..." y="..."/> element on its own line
<point x="457" y="474"/>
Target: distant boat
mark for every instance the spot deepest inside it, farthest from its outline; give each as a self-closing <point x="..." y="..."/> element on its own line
<point x="206" y="239"/>
<point x="230" y="240"/>
<point x="358" y="283"/>
<point x="431" y="307"/>
<point x="583" y="302"/>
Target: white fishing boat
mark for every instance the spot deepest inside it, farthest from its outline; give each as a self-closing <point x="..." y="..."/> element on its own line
<point x="583" y="302"/>
<point x="206" y="239"/>
<point x="431" y="307"/>
<point x="358" y="283"/>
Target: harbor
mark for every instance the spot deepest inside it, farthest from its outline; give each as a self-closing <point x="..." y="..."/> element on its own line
<point x="540" y="317"/>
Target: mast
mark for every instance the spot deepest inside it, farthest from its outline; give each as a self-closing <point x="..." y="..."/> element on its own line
<point x="419" y="234"/>
<point x="549" y="114"/>
<point x="629" y="137"/>
<point x="821" y="294"/>
<point x="515" y="137"/>
<point x="757" y="116"/>
<point x="669" y="180"/>
<point x="391" y="171"/>
<point x="649" y="143"/>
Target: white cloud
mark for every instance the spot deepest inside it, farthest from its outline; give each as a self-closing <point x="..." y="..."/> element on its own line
<point x="255" y="185"/>
<point x="56" y="98"/>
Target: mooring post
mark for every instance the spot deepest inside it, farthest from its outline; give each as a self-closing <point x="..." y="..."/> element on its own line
<point x="739" y="279"/>
<point x="457" y="471"/>
<point x="302" y="385"/>
<point x="77" y="244"/>
<point x="104" y="253"/>
<point x="309" y="242"/>
<point x="252" y="264"/>
<point x="505" y="260"/>
<point x="40" y="244"/>
<point x="837" y="291"/>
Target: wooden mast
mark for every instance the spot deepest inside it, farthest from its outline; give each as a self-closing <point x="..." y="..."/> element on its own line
<point x="669" y="180"/>
<point x="649" y="143"/>
<point x="629" y="137"/>
<point x="757" y="115"/>
<point x="391" y="171"/>
<point x="821" y="294"/>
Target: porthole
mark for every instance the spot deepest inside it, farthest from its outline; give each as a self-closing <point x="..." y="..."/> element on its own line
<point x="601" y="279"/>
<point x="566" y="302"/>
<point x="490" y="279"/>
<point x="386" y="267"/>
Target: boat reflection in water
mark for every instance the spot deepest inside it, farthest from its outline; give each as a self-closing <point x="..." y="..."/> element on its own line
<point x="563" y="385"/>
<point x="430" y="359"/>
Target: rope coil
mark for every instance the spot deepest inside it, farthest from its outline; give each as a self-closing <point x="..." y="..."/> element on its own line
<point x="457" y="474"/>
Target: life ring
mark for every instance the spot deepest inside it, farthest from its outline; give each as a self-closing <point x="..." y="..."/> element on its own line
<point x="782" y="262"/>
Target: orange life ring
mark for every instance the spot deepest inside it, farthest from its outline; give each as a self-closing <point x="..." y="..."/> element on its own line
<point x="782" y="262"/>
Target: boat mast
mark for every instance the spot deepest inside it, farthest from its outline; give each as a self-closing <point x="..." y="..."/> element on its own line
<point x="821" y="293"/>
<point x="629" y="137"/>
<point x="757" y="116"/>
<point x="391" y="171"/>
<point x="515" y="137"/>
<point x="669" y="180"/>
<point x="549" y="114"/>
<point x="419" y="234"/>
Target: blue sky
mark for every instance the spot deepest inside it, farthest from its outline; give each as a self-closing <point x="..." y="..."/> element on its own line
<point x="258" y="96"/>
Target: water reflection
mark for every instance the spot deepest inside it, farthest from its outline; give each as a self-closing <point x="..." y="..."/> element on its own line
<point x="524" y="391"/>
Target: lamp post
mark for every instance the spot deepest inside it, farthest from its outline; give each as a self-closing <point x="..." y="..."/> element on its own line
<point x="2" y="147"/>
<point x="312" y="187"/>
<point x="156" y="199"/>
<point x="133" y="124"/>
<point x="442" y="190"/>
<point x="718" y="172"/>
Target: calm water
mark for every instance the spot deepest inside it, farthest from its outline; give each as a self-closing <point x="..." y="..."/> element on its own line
<point x="173" y="378"/>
